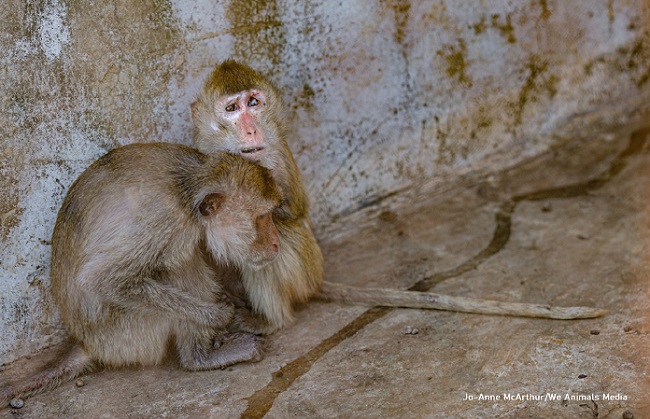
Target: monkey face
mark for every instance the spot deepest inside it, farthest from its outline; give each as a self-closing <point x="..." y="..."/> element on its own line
<point x="243" y="112"/>
<point x="240" y="228"/>
<point x="266" y="246"/>
<point x="235" y="123"/>
<point x="239" y="111"/>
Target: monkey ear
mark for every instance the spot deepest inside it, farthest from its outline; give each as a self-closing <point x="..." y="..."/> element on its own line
<point x="211" y="204"/>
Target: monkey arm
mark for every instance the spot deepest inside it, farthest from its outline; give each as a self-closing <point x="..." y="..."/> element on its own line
<point x="149" y="294"/>
<point x="411" y="299"/>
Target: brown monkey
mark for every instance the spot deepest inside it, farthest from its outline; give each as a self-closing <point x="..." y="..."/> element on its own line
<point x="239" y="111"/>
<point x="129" y="270"/>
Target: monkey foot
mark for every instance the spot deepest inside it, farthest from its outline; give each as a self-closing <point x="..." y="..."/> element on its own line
<point x="248" y="347"/>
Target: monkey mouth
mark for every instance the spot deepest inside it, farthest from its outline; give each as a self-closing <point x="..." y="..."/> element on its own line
<point x="251" y="150"/>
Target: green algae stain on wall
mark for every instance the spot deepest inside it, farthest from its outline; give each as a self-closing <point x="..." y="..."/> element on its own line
<point x="456" y="64"/>
<point x="258" y="32"/>
<point x="546" y="13"/>
<point x="631" y="59"/>
<point x="505" y="29"/>
<point x="479" y="27"/>
<point x="10" y="211"/>
<point x="122" y="69"/>
<point x="535" y="68"/>
<point x="306" y="98"/>
<point x="401" y="9"/>
<point x="446" y="154"/>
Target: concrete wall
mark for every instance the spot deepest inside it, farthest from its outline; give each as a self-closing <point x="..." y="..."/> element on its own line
<point x="386" y="97"/>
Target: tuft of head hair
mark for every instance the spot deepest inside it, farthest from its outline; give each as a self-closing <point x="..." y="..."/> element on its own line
<point x="233" y="77"/>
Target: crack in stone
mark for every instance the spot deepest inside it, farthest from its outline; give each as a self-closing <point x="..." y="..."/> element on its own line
<point x="262" y="400"/>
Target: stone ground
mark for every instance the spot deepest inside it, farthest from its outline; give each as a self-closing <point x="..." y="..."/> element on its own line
<point x="567" y="228"/>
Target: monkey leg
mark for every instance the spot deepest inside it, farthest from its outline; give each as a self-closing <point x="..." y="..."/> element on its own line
<point x="224" y="338"/>
<point x="197" y="353"/>
<point x="129" y="337"/>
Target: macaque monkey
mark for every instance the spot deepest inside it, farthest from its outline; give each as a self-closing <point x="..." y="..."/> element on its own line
<point x="129" y="269"/>
<point x="240" y="111"/>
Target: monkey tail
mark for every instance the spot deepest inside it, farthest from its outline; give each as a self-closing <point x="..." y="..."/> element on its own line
<point x="75" y="362"/>
<point x="427" y="300"/>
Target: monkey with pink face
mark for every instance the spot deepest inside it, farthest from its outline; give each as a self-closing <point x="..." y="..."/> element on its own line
<point x="240" y="111"/>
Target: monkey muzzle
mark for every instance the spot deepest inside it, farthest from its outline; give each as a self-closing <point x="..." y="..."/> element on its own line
<point x="251" y="150"/>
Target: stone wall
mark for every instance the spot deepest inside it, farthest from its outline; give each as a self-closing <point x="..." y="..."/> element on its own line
<point x="386" y="98"/>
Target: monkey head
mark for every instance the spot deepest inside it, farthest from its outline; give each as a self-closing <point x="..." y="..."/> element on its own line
<point x="239" y="228"/>
<point x="239" y="111"/>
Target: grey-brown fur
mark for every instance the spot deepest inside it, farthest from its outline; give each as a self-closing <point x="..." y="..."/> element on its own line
<point x="130" y="271"/>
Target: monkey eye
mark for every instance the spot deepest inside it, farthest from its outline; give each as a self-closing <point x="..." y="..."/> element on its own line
<point x="231" y="108"/>
<point x="253" y="101"/>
